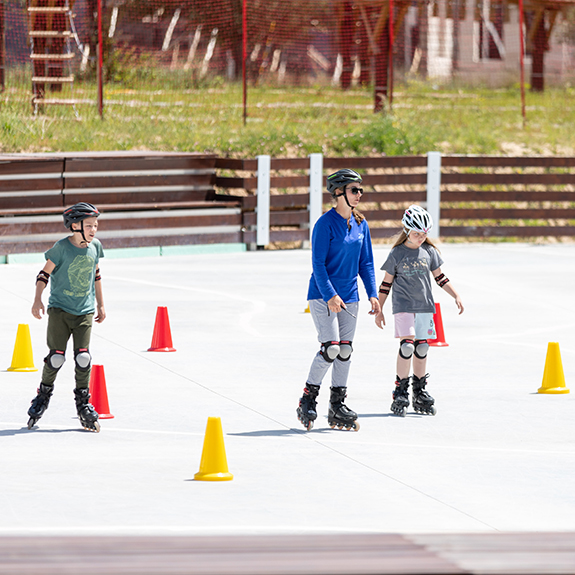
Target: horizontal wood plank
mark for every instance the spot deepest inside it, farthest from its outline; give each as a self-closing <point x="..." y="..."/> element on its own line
<point x="485" y="179"/>
<point x="506" y="231"/>
<point x="507" y="162"/>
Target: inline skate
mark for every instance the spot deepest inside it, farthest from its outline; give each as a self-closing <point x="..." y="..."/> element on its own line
<point x="400" y="396"/>
<point x="306" y="411"/>
<point x="86" y="412"/>
<point x="40" y="404"/>
<point x="339" y="415"/>
<point x="422" y="401"/>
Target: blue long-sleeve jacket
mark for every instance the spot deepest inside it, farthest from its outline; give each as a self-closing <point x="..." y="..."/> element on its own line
<point x="339" y="255"/>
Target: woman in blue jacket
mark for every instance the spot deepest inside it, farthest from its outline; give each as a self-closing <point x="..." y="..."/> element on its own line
<point x="341" y="250"/>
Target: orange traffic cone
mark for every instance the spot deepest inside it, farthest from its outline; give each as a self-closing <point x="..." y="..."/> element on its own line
<point x="162" y="338"/>
<point x="98" y="392"/>
<point x="439" y="340"/>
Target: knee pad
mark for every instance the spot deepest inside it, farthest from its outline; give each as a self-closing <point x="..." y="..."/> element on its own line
<point x="55" y="359"/>
<point x="345" y="350"/>
<point x="421" y="348"/>
<point x="330" y="350"/>
<point x="83" y="359"/>
<point x="406" y="348"/>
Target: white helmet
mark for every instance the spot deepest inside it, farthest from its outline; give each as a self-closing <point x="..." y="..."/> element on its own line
<point x="416" y="219"/>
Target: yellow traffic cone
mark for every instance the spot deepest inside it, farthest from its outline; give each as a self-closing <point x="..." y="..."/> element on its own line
<point x="22" y="359"/>
<point x="553" y="377"/>
<point x="214" y="465"/>
<point x="306" y="310"/>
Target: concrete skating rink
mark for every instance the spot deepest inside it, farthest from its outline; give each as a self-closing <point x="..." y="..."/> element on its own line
<point x="497" y="457"/>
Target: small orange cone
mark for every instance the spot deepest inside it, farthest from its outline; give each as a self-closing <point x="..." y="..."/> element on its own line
<point x="214" y="464"/>
<point x="553" y="376"/>
<point x="162" y="338"/>
<point x="439" y="340"/>
<point x="22" y="358"/>
<point x="98" y="392"/>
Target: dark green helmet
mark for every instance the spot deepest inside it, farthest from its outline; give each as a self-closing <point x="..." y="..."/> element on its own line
<point x="341" y="178"/>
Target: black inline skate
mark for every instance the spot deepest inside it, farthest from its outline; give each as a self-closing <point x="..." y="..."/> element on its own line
<point x="400" y="396"/>
<point x="422" y="401"/>
<point x="86" y="412"/>
<point x="306" y="411"/>
<point x="40" y="404"/>
<point x="339" y="415"/>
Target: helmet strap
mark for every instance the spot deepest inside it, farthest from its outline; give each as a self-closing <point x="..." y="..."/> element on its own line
<point x="81" y="231"/>
<point x="344" y="194"/>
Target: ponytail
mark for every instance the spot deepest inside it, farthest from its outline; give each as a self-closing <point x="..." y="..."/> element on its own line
<point x="359" y="217"/>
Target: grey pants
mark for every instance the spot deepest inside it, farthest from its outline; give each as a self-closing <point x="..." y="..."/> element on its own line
<point x="331" y="327"/>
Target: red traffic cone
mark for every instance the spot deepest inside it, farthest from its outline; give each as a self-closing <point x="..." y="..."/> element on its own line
<point x="439" y="340"/>
<point x="98" y="393"/>
<point x="162" y="338"/>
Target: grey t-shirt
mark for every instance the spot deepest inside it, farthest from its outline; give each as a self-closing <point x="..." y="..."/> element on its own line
<point x="411" y="290"/>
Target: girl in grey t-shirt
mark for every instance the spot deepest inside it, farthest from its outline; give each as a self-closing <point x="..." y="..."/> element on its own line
<point x="408" y="268"/>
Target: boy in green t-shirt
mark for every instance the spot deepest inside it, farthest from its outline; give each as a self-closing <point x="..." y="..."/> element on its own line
<point x="75" y="295"/>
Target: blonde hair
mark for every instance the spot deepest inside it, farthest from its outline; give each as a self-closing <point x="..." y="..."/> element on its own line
<point x="401" y="238"/>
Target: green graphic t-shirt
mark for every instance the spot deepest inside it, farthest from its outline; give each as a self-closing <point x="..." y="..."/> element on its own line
<point x="72" y="281"/>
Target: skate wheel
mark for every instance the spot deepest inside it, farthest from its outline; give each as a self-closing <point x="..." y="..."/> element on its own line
<point x="355" y="426"/>
<point x="332" y="425"/>
<point x="31" y="423"/>
<point x="340" y="426"/>
<point x="433" y="411"/>
<point x="309" y="426"/>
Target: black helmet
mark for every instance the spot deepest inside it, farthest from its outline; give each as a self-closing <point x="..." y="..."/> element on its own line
<point x="79" y="212"/>
<point x="342" y="178"/>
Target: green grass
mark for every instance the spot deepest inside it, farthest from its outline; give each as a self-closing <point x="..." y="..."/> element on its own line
<point x="294" y="122"/>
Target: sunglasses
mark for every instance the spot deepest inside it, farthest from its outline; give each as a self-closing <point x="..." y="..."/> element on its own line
<point x="356" y="191"/>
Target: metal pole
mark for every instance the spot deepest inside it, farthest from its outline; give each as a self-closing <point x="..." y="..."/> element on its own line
<point x="100" y="63"/>
<point x="434" y="191"/>
<point x="521" y="60"/>
<point x="263" y="208"/>
<point x="2" y="48"/>
<point x="391" y="31"/>
<point x="244" y="57"/>
<point x="315" y="189"/>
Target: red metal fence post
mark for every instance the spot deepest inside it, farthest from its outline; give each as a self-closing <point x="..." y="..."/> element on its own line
<point x="521" y="60"/>
<point x="100" y="63"/>
<point x="391" y="39"/>
<point x="244" y="57"/>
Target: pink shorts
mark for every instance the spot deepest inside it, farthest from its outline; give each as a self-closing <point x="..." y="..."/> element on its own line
<point x="414" y="325"/>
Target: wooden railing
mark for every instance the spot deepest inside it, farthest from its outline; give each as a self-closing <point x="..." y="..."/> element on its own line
<point x="479" y="196"/>
<point x="156" y="199"/>
<point x="147" y="199"/>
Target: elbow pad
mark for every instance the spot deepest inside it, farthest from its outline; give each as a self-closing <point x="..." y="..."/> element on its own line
<point x="43" y="277"/>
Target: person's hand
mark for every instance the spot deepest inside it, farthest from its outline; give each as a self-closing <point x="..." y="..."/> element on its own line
<point x="100" y="315"/>
<point x="375" y="307"/>
<point x="38" y="309"/>
<point x="459" y="305"/>
<point x="379" y="320"/>
<point x="335" y="304"/>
